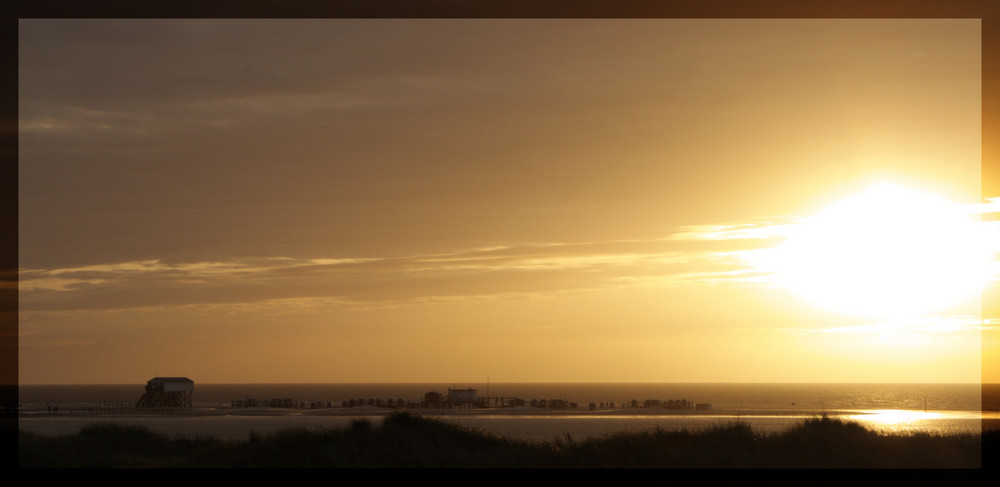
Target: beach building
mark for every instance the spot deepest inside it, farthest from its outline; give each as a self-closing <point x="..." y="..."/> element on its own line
<point x="167" y="392"/>
<point x="433" y="399"/>
<point x="461" y="396"/>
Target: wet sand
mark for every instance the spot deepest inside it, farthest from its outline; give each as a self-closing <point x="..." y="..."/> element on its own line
<point x="378" y="411"/>
<point x="532" y="423"/>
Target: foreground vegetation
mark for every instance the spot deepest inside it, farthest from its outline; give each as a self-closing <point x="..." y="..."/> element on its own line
<point x="405" y="440"/>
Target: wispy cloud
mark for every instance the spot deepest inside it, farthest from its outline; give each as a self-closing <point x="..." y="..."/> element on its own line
<point x="722" y="254"/>
<point x="495" y="271"/>
<point x="917" y="331"/>
<point x="768" y="229"/>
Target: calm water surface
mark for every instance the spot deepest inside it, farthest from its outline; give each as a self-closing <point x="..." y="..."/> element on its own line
<point x="936" y="408"/>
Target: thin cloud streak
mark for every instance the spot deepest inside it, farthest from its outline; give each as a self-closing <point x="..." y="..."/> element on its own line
<point x="499" y="270"/>
<point x="916" y="332"/>
<point x="736" y="231"/>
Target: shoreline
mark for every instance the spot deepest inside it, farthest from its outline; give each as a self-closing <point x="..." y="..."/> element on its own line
<point x="529" y="423"/>
<point x="526" y="411"/>
<point x="380" y="411"/>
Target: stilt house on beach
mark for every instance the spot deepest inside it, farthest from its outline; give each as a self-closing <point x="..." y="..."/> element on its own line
<point x="462" y="396"/>
<point x="167" y="392"/>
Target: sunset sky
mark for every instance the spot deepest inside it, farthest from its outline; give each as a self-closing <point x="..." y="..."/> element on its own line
<point x="394" y="200"/>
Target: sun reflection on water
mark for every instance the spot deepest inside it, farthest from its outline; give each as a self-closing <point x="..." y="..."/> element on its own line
<point x="893" y="421"/>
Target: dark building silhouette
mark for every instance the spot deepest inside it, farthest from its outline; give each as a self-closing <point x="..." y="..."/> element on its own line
<point x="167" y="392"/>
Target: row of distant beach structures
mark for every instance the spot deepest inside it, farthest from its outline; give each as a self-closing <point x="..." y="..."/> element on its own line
<point x="174" y="392"/>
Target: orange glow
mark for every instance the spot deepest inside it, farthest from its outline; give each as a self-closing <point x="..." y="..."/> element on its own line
<point x="888" y="251"/>
<point x="531" y="200"/>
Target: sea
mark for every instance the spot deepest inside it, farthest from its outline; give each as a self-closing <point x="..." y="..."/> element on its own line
<point x="594" y="409"/>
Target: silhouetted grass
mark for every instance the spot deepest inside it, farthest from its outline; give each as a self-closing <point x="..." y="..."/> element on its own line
<point x="408" y="441"/>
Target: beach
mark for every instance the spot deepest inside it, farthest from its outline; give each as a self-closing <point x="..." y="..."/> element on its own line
<point x="520" y="422"/>
<point x="889" y="408"/>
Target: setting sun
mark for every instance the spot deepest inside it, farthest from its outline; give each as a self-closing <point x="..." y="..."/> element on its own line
<point x="351" y="191"/>
<point x="887" y="251"/>
<point x="532" y="227"/>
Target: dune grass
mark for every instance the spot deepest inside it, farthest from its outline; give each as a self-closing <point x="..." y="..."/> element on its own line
<point x="408" y="441"/>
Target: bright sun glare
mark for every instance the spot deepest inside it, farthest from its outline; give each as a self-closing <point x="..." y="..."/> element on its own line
<point x="888" y="251"/>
